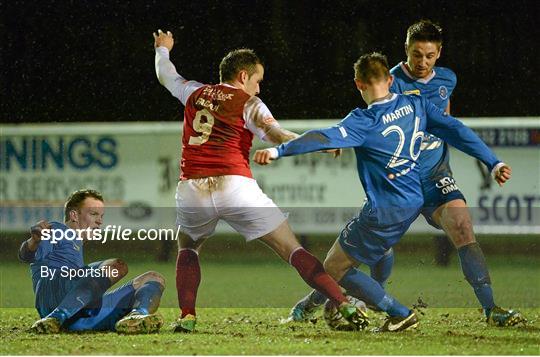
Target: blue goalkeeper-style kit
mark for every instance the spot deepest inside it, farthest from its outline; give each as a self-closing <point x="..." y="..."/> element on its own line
<point x="438" y="184"/>
<point x="386" y="138"/>
<point x="50" y="291"/>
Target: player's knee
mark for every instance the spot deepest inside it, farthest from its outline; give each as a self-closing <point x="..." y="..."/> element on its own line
<point x="152" y="276"/>
<point x="119" y="266"/>
<point x="462" y="232"/>
<point x="331" y="268"/>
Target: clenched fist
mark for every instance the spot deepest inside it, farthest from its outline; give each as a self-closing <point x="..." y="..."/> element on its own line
<point x="36" y="229"/>
<point x="263" y="157"/>
<point x="502" y="174"/>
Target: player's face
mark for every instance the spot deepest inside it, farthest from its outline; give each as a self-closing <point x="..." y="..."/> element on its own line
<point x="90" y="215"/>
<point x="252" y="84"/>
<point x="421" y="57"/>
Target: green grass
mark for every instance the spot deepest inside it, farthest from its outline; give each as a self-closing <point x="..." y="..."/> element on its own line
<point x="242" y="299"/>
<point x="238" y="331"/>
<point x="243" y="281"/>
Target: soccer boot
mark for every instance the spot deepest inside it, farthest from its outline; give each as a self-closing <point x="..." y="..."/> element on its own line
<point x="502" y="317"/>
<point x="303" y="311"/>
<point x="46" y="325"/>
<point x="358" y="319"/>
<point x="137" y="323"/>
<point x="185" y="324"/>
<point x="399" y="323"/>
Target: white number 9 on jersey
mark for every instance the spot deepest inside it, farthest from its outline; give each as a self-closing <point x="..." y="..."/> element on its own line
<point x="204" y="128"/>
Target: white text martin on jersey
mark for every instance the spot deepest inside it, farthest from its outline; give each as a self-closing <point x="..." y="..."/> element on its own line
<point x="396" y="114"/>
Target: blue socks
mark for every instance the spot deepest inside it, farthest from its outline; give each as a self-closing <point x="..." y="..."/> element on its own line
<point x="147" y="297"/>
<point x="314" y="298"/>
<point x="383" y="268"/>
<point x="87" y="291"/>
<point x="475" y="270"/>
<point x="380" y="272"/>
<point x="369" y="290"/>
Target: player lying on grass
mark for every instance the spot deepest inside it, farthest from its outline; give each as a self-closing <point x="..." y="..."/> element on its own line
<point x="386" y="138"/>
<point x="216" y="182"/>
<point x="71" y="295"/>
<point x="444" y="204"/>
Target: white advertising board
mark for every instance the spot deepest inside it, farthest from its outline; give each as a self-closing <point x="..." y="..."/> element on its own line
<point x="135" y="166"/>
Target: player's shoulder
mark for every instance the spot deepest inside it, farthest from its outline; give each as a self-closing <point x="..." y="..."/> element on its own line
<point x="446" y="73"/>
<point x="359" y="117"/>
<point x="411" y="97"/>
<point x="399" y="73"/>
<point x="396" y="69"/>
<point x="58" y="225"/>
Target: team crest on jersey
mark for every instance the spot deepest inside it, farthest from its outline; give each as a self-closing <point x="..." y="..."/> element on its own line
<point x="443" y="92"/>
<point x="413" y="91"/>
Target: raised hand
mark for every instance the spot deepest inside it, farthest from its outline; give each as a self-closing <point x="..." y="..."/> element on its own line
<point x="163" y="39"/>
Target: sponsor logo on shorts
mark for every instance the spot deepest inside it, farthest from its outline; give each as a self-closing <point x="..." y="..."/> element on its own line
<point x="447" y="184"/>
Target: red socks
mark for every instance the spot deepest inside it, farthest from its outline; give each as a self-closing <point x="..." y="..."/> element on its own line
<point x="312" y="271"/>
<point x="188" y="278"/>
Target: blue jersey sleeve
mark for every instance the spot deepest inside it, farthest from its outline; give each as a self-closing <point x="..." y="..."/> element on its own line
<point x="395" y="88"/>
<point x="44" y="249"/>
<point x="348" y="133"/>
<point x="458" y="135"/>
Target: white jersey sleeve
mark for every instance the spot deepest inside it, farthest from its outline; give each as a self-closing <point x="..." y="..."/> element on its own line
<point x="258" y="118"/>
<point x="179" y="87"/>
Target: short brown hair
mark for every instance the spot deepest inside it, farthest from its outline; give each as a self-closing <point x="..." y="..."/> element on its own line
<point x="371" y="67"/>
<point x="236" y="61"/>
<point x="76" y="199"/>
<point x="424" y="31"/>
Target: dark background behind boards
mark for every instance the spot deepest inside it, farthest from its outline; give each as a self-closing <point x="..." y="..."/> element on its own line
<point x="94" y="61"/>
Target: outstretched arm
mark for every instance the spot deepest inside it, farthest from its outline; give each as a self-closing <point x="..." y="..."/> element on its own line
<point x="343" y="135"/>
<point x="261" y="122"/>
<point x="455" y="133"/>
<point x="166" y="72"/>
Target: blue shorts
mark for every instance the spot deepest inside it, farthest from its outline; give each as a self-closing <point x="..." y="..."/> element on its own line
<point x="100" y="316"/>
<point x="437" y="191"/>
<point x="49" y="293"/>
<point x="367" y="243"/>
<point x="114" y="305"/>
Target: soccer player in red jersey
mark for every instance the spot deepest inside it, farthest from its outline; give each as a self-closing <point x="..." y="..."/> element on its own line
<point x="216" y="182"/>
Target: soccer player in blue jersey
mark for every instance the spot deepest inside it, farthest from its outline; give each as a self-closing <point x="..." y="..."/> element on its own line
<point x="386" y="137"/>
<point x="71" y="295"/>
<point x="444" y="205"/>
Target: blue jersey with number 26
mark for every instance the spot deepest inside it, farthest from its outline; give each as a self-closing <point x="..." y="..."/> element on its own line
<point x="437" y="88"/>
<point x="386" y="138"/>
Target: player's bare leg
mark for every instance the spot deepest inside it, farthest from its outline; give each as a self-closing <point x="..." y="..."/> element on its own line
<point x="337" y="262"/>
<point x="188" y="278"/>
<point x="454" y="218"/>
<point x="116" y="264"/>
<point x="283" y="241"/>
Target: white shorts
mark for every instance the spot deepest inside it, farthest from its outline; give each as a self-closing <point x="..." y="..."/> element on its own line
<point x="238" y="200"/>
